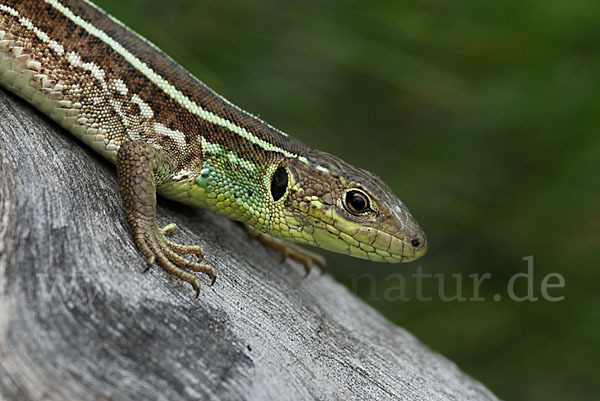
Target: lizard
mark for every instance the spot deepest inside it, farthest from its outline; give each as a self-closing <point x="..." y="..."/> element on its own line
<point x="168" y="133"/>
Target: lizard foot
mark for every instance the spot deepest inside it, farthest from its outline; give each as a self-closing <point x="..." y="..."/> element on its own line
<point x="289" y="250"/>
<point x="155" y="246"/>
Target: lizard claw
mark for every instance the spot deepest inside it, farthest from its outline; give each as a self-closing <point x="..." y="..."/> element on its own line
<point x="196" y="285"/>
<point x="149" y="263"/>
<point x="169" y="228"/>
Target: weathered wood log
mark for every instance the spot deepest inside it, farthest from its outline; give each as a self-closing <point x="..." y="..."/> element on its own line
<point x="80" y="321"/>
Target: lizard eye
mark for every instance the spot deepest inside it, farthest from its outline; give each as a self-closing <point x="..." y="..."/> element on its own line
<point x="279" y="183"/>
<point x="357" y="202"/>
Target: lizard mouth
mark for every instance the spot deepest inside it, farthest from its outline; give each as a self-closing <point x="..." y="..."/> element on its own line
<point x="370" y="243"/>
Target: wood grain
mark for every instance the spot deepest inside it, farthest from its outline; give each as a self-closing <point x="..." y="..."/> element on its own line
<point x="80" y="321"/>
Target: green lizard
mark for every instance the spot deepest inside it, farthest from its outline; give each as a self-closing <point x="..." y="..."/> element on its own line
<point x="167" y="132"/>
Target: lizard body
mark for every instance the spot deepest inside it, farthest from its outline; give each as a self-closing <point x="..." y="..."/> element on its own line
<point x="168" y="133"/>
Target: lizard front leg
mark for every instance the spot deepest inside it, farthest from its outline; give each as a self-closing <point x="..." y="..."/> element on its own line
<point x="140" y="169"/>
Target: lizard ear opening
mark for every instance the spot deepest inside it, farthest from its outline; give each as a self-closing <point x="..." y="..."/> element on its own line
<point x="279" y="183"/>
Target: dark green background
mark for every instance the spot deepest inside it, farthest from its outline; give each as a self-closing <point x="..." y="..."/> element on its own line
<point x="483" y="116"/>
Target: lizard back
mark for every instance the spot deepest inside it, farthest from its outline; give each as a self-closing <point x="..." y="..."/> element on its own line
<point x="106" y="84"/>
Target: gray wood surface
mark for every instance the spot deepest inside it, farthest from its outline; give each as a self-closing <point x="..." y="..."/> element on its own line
<point x="80" y="321"/>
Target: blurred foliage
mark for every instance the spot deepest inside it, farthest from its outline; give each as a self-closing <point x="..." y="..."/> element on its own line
<point x="485" y="119"/>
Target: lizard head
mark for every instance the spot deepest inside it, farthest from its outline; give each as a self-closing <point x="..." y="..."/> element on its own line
<point x="332" y="205"/>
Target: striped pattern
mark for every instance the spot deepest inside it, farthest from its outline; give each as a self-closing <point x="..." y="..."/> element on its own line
<point x="164" y="85"/>
<point x="172" y="108"/>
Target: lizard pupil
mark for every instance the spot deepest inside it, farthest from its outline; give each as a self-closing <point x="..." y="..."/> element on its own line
<point x="279" y="183"/>
<point x="356" y="202"/>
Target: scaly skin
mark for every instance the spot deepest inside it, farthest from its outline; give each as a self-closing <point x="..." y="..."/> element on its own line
<point x="168" y="133"/>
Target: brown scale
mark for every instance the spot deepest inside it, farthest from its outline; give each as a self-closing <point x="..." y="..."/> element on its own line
<point x="167" y="111"/>
<point x="189" y="85"/>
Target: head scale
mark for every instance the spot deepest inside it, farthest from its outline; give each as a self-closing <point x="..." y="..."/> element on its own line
<point x="333" y="205"/>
